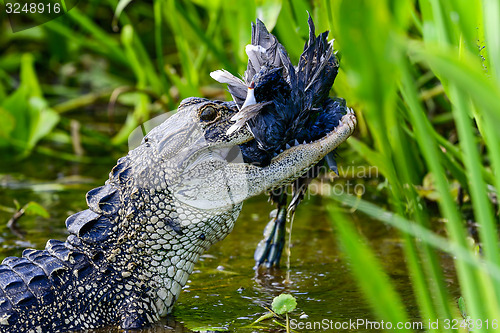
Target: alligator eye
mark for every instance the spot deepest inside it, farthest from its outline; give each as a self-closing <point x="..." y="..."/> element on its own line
<point x="209" y="113"/>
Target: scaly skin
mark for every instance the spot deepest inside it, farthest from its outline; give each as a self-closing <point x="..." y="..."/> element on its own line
<point x="165" y="203"/>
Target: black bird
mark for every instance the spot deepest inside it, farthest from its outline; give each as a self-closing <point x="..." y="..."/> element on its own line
<point x="284" y="106"/>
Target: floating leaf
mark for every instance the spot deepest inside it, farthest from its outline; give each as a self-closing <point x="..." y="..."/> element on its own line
<point x="204" y="329"/>
<point x="263" y="317"/>
<point x="284" y="303"/>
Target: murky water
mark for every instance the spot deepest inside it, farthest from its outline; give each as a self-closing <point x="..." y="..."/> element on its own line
<point x="224" y="292"/>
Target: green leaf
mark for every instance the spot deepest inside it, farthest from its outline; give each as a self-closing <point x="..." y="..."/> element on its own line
<point x="17" y="106"/>
<point x="26" y="117"/>
<point x="209" y="4"/>
<point x="461" y="307"/>
<point x="263" y="317"/>
<point x="28" y="75"/>
<point x="284" y="303"/>
<point x="268" y="12"/>
<point x="456" y="250"/>
<point x="118" y="11"/>
<point x="202" y="329"/>
<point x="6" y="125"/>
<point x="465" y="72"/>
<point x="42" y="120"/>
<point x="367" y="270"/>
<point x="372" y="156"/>
<point x="33" y="208"/>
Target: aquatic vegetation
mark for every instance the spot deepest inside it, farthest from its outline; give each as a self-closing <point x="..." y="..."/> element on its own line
<point x="282" y="304"/>
<point x="425" y="93"/>
<point x="26" y="115"/>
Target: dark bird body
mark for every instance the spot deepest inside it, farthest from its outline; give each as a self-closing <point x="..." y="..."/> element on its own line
<point x="284" y="106"/>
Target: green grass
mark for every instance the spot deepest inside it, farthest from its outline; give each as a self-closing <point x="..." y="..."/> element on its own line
<point x="422" y="77"/>
<point x="443" y="42"/>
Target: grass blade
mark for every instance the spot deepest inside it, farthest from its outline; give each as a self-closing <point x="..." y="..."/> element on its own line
<point x="378" y="289"/>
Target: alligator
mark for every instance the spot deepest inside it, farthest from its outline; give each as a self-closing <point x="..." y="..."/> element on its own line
<point x="129" y="254"/>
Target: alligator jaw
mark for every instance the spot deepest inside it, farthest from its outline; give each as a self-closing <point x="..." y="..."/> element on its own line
<point x="340" y="134"/>
<point x="295" y="161"/>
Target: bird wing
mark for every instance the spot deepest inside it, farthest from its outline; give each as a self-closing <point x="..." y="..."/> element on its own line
<point x="237" y="88"/>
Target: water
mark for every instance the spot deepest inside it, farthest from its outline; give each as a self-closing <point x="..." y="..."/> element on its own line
<point x="224" y="292"/>
<point x="290" y="216"/>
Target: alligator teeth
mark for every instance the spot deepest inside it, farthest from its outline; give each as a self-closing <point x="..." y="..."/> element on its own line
<point x="287" y="146"/>
<point x="340" y="122"/>
<point x="296" y="143"/>
<point x="304" y="143"/>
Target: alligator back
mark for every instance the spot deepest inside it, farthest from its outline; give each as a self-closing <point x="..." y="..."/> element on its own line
<point x="54" y="289"/>
<point x="31" y="286"/>
<point x="124" y="263"/>
<point x="69" y="285"/>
